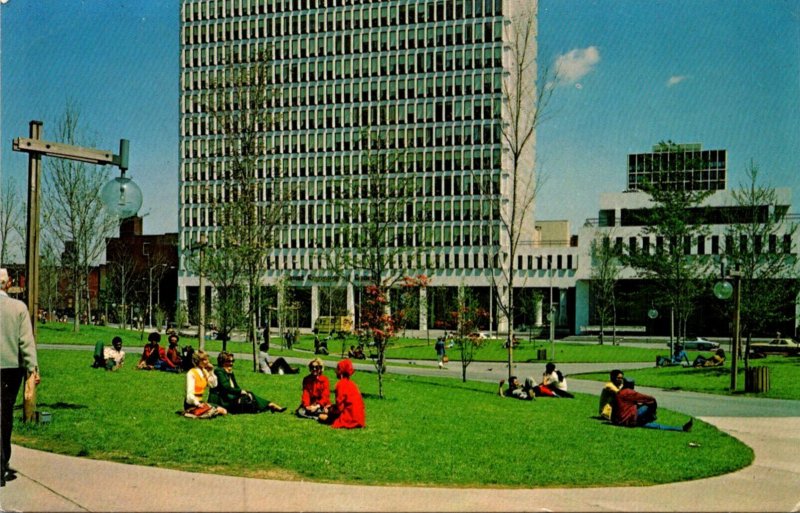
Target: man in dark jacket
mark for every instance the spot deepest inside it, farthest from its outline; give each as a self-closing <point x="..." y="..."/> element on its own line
<point x="633" y="409"/>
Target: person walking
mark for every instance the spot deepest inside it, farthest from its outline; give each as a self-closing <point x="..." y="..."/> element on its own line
<point x="17" y="361"/>
<point x="440" y="351"/>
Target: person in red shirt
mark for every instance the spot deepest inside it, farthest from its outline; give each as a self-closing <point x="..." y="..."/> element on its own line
<point x="348" y="412"/>
<point x="633" y="409"/>
<point x="174" y="352"/>
<point x="316" y="398"/>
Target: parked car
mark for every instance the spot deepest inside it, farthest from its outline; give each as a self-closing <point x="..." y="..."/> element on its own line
<point x="785" y="346"/>
<point x="700" y="344"/>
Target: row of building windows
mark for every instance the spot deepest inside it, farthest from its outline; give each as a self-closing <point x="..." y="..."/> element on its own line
<point x="349" y="121"/>
<point x="453" y="62"/>
<point x="456" y="84"/>
<point x="374" y="13"/>
<point x="286" y="42"/>
<point x="420" y="187"/>
<point x="432" y="261"/>
<point x="414" y="234"/>
<point x="705" y="245"/>
<point x="476" y="209"/>
<point x="455" y="136"/>
<point x="411" y="162"/>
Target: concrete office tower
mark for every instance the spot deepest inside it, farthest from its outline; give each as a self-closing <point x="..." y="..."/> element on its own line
<point x="429" y="78"/>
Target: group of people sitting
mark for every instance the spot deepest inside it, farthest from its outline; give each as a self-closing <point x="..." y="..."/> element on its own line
<point x="553" y="384"/>
<point x="622" y="405"/>
<point x="679" y="357"/>
<point x="172" y="359"/>
<point x="225" y="396"/>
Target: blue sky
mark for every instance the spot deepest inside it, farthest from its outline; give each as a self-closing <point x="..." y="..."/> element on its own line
<point x="724" y="73"/>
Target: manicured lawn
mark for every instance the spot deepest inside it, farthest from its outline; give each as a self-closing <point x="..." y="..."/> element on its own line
<point x="400" y="348"/>
<point x="428" y="431"/>
<point x="784" y="377"/>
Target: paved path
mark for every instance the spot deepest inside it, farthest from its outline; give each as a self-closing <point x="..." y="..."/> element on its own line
<point x="50" y="482"/>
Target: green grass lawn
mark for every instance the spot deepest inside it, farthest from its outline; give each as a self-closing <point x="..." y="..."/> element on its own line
<point x="784" y="377"/>
<point x="428" y="431"/>
<point x="400" y="348"/>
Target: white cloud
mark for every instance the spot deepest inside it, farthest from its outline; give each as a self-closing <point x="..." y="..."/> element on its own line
<point x="676" y="79"/>
<point x="575" y="64"/>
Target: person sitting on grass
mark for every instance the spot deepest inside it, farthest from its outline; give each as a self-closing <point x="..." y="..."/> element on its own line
<point x="516" y="389"/>
<point x="279" y="366"/>
<point x="348" y="412"/>
<point x="717" y="359"/>
<point x="633" y="409"/>
<point x="608" y="396"/>
<point x="174" y="352"/>
<point x="553" y="383"/>
<point x="316" y="398"/>
<point x="151" y="354"/>
<point x="109" y="358"/>
<point x="233" y="398"/>
<point x="200" y="377"/>
<point x="678" y="357"/>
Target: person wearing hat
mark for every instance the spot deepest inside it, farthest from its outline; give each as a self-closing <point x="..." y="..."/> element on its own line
<point x="348" y="412"/>
<point x="316" y="398"/>
<point x="17" y="361"/>
<point x="633" y="409"/>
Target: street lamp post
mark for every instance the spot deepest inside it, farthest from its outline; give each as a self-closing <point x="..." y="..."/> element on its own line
<point x="724" y="290"/>
<point x="201" y="309"/>
<point x="123" y="198"/>
<point x="150" y="292"/>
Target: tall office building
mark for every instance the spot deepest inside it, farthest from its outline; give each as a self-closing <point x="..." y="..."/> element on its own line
<point x="426" y="76"/>
<point x="679" y="166"/>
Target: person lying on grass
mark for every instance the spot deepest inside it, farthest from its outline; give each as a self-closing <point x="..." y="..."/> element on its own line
<point x="516" y="389"/>
<point x="633" y="409"/>
<point x="316" y="398"/>
<point x="348" y="412"/>
<point x="717" y="359"/>
<point x="200" y="377"/>
<point x="233" y="398"/>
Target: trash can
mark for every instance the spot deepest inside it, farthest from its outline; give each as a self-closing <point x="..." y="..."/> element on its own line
<point x="541" y="354"/>
<point x="757" y="380"/>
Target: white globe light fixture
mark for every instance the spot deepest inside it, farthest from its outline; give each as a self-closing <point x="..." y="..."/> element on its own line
<point x="652" y="313"/>
<point x="122" y="197"/>
<point x="723" y="289"/>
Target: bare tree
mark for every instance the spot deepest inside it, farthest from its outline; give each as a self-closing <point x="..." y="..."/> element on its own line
<point x="524" y="102"/>
<point x="365" y="249"/>
<point x="467" y="315"/>
<point x="606" y="268"/>
<point x="11" y="220"/>
<point x="760" y="248"/>
<point x="76" y="215"/>
<point x="248" y="208"/>
<point x="124" y="273"/>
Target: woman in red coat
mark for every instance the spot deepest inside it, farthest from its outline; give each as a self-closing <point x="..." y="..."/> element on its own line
<point x="316" y="397"/>
<point x="348" y="412"/>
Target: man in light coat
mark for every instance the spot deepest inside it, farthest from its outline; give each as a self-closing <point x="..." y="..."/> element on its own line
<point x="17" y="361"/>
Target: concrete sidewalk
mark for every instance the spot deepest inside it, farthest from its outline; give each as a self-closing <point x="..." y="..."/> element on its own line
<point x="49" y="482"/>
